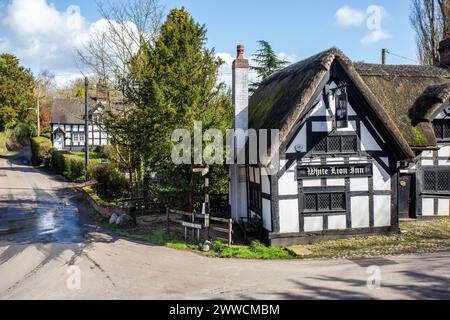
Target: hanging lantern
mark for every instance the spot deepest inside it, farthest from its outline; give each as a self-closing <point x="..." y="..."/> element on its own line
<point x="341" y="117"/>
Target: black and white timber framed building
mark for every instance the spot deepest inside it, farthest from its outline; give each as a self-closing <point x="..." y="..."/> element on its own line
<point x="68" y="125"/>
<point x="362" y="145"/>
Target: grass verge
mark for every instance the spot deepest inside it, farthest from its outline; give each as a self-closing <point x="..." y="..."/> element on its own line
<point x="424" y="236"/>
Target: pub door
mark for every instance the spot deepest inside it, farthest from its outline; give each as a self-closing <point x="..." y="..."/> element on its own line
<point x="406" y="196"/>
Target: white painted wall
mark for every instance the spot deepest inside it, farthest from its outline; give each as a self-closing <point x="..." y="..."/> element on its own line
<point x="240" y="102"/>
<point x="322" y="126"/>
<point x="313" y="224"/>
<point x="360" y="212"/>
<point x="444" y="207"/>
<point x="368" y="143"/>
<point x="335" y="182"/>
<point x="265" y="183"/>
<point x="427" y="207"/>
<point x="359" y="184"/>
<point x="382" y="206"/>
<point x="299" y="144"/>
<point x="287" y="184"/>
<point x="267" y="215"/>
<point x="381" y="179"/>
<point x="337" y="222"/>
<point x="289" y="216"/>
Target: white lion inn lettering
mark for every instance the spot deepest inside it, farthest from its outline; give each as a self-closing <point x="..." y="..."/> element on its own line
<point x="360" y="170"/>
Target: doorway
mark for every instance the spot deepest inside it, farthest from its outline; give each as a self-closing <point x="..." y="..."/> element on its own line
<point x="406" y="196"/>
<point x="58" y="140"/>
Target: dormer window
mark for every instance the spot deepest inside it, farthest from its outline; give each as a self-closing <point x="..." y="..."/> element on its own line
<point x="442" y="130"/>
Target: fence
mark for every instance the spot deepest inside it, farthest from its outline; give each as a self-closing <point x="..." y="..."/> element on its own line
<point x="212" y="228"/>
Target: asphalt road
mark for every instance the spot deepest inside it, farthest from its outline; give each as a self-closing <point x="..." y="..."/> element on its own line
<point x="48" y="250"/>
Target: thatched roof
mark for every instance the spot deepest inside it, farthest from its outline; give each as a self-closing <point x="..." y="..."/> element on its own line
<point x="70" y="110"/>
<point x="408" y="94"/>
<point x="391" y="91"/>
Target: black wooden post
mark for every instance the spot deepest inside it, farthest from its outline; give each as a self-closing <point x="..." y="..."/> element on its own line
<point x="86" y="127"/>
<point x="168" y="219"/>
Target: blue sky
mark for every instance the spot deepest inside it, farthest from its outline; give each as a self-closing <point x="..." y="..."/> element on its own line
<point x="295" y="28"/>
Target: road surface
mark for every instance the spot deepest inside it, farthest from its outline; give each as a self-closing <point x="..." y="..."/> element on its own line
<point x="48" y="250"/>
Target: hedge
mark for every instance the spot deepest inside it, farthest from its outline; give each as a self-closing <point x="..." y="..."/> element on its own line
<point x="67" y="164"/>
<point x="40" y="148"/>
<point x="112" y="182"/>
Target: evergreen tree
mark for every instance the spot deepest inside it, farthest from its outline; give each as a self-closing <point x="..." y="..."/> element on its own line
<point x="16" y="92"/>
<point x="173" y="84"/>
<point x="267" y="63"/>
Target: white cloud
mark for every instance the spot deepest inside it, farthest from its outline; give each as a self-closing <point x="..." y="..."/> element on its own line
<point x="4" y="45"/>
<point x="39" y="32"/>
<point x="375" y="36"/>
<point x="374" y="15"/>
<point x="346" y="16"/>
<point x="46" y="38"/>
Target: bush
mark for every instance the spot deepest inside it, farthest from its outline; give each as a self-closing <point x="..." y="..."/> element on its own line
<point x="59" y="163"/>
<point x="77" y="168"/>
<point x="40" y="148"/>
<point x="67" y="164"/>
<point x="112" y="182"/>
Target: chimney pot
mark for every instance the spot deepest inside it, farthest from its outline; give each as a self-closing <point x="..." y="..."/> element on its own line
<point x="240" y="52"/>
<point x="102" y="89"/>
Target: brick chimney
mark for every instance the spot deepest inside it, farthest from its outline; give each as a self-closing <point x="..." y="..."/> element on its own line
<point x="102" y="89"/>
<point x="444" y="52"/>
<point x="240" y="95"/>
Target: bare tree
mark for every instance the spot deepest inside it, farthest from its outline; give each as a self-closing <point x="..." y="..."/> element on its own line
<point x="431" y="22"/>
<point x="118" y="36"/>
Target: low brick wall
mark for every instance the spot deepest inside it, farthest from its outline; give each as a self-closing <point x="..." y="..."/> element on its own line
<point x="105" y="211"/>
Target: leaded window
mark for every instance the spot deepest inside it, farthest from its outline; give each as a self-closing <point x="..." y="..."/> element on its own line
<point x="442" y="129"/>
<point x="324" y="202"/>
<point x="334" y="144"/>
<point x="436" y="180"/>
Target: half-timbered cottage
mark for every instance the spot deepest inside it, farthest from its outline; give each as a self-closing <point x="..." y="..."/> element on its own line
<point x="68" y="124"/>
<point x="360" y="146"/>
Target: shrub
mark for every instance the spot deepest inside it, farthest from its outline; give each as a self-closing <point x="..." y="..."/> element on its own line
<point x="113" y="183"/>
<point x="59" y="163"/>
<point x="67" y="164"/>
<point x="40" y="148"/>
<point x="77" y="167"/>
<point x="23" y="133"/>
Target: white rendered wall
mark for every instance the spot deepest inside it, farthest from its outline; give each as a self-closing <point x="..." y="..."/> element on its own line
<point x="289" y="218"/>
<point x="313" y="224"/>
<point x="267" y="215"/>
<point x="360" y="212"/>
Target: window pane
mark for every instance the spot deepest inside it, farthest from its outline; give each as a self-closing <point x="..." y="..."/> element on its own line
<point x="437" y="130"/>
<point x="446" y="130"/>
<point x="349" y="144"/>
<point x="310" y="202"/>
<point x="324" y="201"/>
<point x="442" y="180"/>
<point x="320" y="144"/>
<point x="338" y="201"/>
<point x="429" y="180"/>
<point x="334" y="144"/>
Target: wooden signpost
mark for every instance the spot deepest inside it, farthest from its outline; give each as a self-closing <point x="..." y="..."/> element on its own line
<point x="193" y="226"/>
